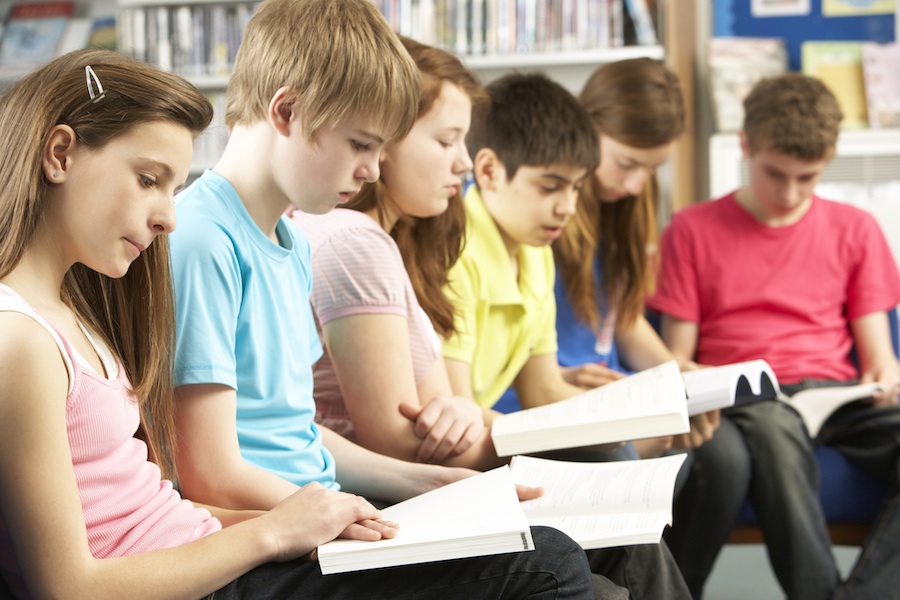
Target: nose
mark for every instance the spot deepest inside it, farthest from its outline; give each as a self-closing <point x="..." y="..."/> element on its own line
<point x="369" y="170"/>
<point x="163" y="219"/>
<point x="568" y="200"/>
<point x="462" y="163"/>
<point x="634" y="185"/>
<point x="789" y="192"/>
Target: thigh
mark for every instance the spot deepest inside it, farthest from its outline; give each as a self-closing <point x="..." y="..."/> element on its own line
<point x="869" y="436"/>
<point x="557" y="568"/>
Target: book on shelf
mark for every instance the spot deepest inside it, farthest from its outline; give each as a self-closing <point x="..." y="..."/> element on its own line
<point x="649" y="403"/>
<point x="881" y="75"/>
<point x="751" y="381"/>
<point x="839" y="66"/>
<point x="103" y="32"/>
<point x="601" y="505"/>
<point x="736" y="64"/>
<point x="33" y="33"/>
<point x="476" y="516"/>
<point x="642" y="21"/>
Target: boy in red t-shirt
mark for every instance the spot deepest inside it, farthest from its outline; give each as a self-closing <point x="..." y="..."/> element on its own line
<point x="773" y="271"/>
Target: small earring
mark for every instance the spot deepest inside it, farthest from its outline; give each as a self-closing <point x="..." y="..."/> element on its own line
<point x="55" y="175"/>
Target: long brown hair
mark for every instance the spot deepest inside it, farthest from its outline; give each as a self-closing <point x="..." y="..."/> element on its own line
<point x="638" y="103"/>
<point x="133" y="315"/>
<point x="429" y="246"/>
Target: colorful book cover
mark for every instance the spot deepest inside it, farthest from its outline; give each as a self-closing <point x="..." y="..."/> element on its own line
<point x="839" y="66"/>
<point x="881" y="74"/>
<point x="33" y="32"/>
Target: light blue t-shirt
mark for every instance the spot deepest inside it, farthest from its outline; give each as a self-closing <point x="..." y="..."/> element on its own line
<point x="244" y="320"/>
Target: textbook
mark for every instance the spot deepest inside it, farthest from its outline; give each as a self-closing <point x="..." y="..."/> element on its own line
<point x="839" y="65"/>
<point x="33" y="33"/>
<point x="601" y="505"/>
<point x="739" y="383"/>
<point x="476" y="516"/>
<point x="648" y="404"/>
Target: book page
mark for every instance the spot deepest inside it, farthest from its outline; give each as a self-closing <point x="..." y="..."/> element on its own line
<point x="480" y="506"/>
<point x="715" y="387"/>
<point x="815" y="405"/>
<point x="592" y="502"/>
<point x="647" y="393"/>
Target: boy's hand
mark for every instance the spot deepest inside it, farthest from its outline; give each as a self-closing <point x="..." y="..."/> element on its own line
<point x="590" y="375"/>
<point x="889" y="378"/>
<point x="703" y="426"/>
<point x="528" y="493"/>
<point x="447" y="426"/>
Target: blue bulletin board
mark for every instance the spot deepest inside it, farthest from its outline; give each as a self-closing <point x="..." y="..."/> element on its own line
<point x="732" y="18"/>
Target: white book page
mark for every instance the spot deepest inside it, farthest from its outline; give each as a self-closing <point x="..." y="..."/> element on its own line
<point x="592" y="502"/>
<point x="715" y="387"/>
<point x="481" y="505"/>
<point x="655" y="391"/>
<point x="815" y="405"/>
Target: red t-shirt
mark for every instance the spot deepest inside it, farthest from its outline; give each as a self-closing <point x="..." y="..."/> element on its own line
<point x="785" y="294"/>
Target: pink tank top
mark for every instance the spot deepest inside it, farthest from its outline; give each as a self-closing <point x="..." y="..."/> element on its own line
<point x="127" y="507"/>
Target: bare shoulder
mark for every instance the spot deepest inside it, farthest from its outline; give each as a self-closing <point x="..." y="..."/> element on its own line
<point x="30" y="357"/>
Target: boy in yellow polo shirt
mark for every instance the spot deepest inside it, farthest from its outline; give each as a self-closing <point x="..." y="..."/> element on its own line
<point x="531" y="149"/>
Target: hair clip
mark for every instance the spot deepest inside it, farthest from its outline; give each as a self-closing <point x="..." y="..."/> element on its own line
<point x="92" y="79"/>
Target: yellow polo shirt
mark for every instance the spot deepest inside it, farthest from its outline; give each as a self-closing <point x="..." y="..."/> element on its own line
<point x="500" y="322"/>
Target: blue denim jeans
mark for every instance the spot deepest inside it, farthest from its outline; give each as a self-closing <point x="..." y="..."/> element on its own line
<point x="557" y="569"/>
<point x="708" y="503"/>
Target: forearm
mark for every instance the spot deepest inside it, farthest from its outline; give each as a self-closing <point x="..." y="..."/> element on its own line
<point x="191" y="571"/>
<point x="640" y="346"/>
<point x="378" y="477"/>
<point x="237" y="487"/>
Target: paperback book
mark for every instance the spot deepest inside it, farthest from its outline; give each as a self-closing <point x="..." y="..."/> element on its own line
<point x="33" y="33"/>
<point x="647" y="404"/>
<point x="601" y="505"/>
<point x="476" y="516"/>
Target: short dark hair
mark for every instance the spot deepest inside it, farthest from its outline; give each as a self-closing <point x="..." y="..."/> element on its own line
<point x="531" y="120"/>
<point x="792" y="114"/>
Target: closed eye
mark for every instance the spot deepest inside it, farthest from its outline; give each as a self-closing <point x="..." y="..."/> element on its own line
<point x="359" y="146"/>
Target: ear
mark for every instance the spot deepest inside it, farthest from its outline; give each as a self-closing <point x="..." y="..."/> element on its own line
<point x="745" y="145"/>
<point x="56" y="159"/>
<point x="283" y="107"/>
<point x="488" y="169"/>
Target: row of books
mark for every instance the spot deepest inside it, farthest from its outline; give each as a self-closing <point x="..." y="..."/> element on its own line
<point x="193" y="41"/>
<point x="863" y="76"/>
<point x="202" y="39"/>
<point x="597" y="504"/>
<point x="476" y="27"/>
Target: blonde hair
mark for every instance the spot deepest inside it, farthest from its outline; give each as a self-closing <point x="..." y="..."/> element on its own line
<point x="340" y="58"/>
<point x="638" y="103"/>
<point x="134" y="315"/>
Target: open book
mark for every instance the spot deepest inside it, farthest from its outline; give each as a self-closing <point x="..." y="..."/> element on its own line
<point x="476" y="516"/>
<point x="739" y="383"/>
<point x="647" y="404"/>
<point x="600" y="505"/>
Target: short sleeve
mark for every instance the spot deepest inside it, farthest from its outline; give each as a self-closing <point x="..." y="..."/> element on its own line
<point x="207" y="282"/>
<point x="874" y="282"/>
<point x="357" y="271"/>
<point x="463" y="291"/>
<point x="677" y="290"/>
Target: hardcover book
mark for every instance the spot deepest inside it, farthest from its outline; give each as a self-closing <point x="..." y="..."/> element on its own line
<point x="33" y="33"/>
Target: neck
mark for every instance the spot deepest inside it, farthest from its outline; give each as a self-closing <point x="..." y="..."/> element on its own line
<point x="250" y="172"/>
<point x="748" y="202"/>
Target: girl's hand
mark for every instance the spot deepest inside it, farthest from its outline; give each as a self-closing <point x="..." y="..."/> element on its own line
<point x="590" y="375"/>
<point x="447" y="426"/>
<point x="314" y="515"/>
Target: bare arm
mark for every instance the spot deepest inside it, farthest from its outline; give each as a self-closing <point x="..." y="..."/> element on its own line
<point x="211" y="468"/>
<point x="391" y="414"/>
<point x="541" y="382"/>
<point x="875" y="351"/>
<point x="640" y="346"/>
<point x="43" y="513"/>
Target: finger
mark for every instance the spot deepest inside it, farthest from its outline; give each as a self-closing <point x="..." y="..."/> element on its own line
<point x="448" y="444"/>
<point x="356" y="531"/>
<point x="433" y="442"/>
<point x="429" y="417"/>
<point x="526" y="492"/>
<point x="410" y="411"/>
